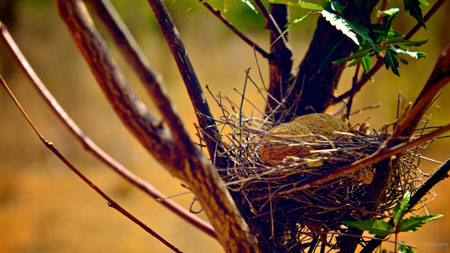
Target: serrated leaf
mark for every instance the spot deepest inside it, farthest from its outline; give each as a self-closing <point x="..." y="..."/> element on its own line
<point x="415" y="55"/>
<point x="402" y="206"/>
<point x="356" y="55"/>
<point x="363" y="32"/>
<point x="249" y="4"/>
<point x="399" y="41"/>
<point x="391" y="61"/>
<point x="413" y="7"/>
<point x="376" y="227"/>
<point x="411" y="224"/>
<point x="340" y="24"/>
<point x="387" y="22"/>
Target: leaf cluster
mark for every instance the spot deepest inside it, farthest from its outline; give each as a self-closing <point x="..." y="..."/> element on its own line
<point x="373" y="39"/>
<point x="398" y="224"/>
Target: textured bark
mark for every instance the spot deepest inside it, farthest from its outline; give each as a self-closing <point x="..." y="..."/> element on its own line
<point x="90" y="146"/>
<point x="280" y="63"/>
<point x="318" y="76"/>
<point x="205" y="119"/>
<point x="172" y="147"/>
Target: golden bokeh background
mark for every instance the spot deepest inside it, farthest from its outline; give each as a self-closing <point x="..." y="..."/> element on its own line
<point x="44" y="207"/>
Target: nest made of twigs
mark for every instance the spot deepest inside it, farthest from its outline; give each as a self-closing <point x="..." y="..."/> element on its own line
<point x="270" y="164"/>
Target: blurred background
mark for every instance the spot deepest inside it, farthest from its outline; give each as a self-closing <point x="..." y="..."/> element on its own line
<point x="44" y="207"/>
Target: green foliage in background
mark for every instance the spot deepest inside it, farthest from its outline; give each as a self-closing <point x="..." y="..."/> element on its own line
<point x="372" y="39"/>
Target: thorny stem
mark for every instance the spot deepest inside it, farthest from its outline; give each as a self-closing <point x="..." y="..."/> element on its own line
<point x="380" y="62"/>
<point x="219" y="15"/>
<point x="55" y="151"/>
<point x="91" y="146"/>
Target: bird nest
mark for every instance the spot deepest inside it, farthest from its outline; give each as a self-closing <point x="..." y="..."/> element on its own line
<point x="271" y="165"/>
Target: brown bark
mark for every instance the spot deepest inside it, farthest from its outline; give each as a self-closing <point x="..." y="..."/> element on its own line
<point x="280" y="63"/>
<point x="172" y="147"/>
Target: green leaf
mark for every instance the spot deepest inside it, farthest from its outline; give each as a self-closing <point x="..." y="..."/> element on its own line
<point x="300" y="3"/>
<point x="247" y="2"/>
<point x="376" y="227"/>
<point x="411" y="224"/>
<point x="391" y="61"/>
<point x="310" y="6"/>
<point x="363" y="32"/>
<point x="403" y="248"/>
<point x="365" y="62"/>
<point x="340" y="24"/>
<point x="387" y="21"/>
<point x="413" y="7"/>
<point x="356" y="55"/>
<point x="402" y="206"/>
<point x="388" y="12"/>
<point x="300" y="19"/>
<point x="401" y="42"/>
<point x="424" y="2"/>
<point x="415" y="55"/>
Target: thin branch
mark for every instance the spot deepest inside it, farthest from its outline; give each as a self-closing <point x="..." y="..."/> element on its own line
<point x="90" y="145"/>
<point x="270" y="21"/>
<point x="219" y="15"/>
<point x="437" y="80"/>
<point x="350" y="101"/>
<point x="195" y="91"/>
<point x="185" y="161"/>
<point x="380" y="62"/>
<point x="55" y="151"/>
<point x="439" y="174"/>
<point x="280" y="63"/>
<point x="142" y="124"/>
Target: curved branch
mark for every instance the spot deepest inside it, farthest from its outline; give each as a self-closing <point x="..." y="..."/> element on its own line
<point x="142" y="124"/>
<point x="272" y="24"/>
<point x="185" y="161"/>
<point x="111" y="203"/>
<point x="205" y="119"/>
<point x="90" y="145"/>
<point x="219" y="15"/>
